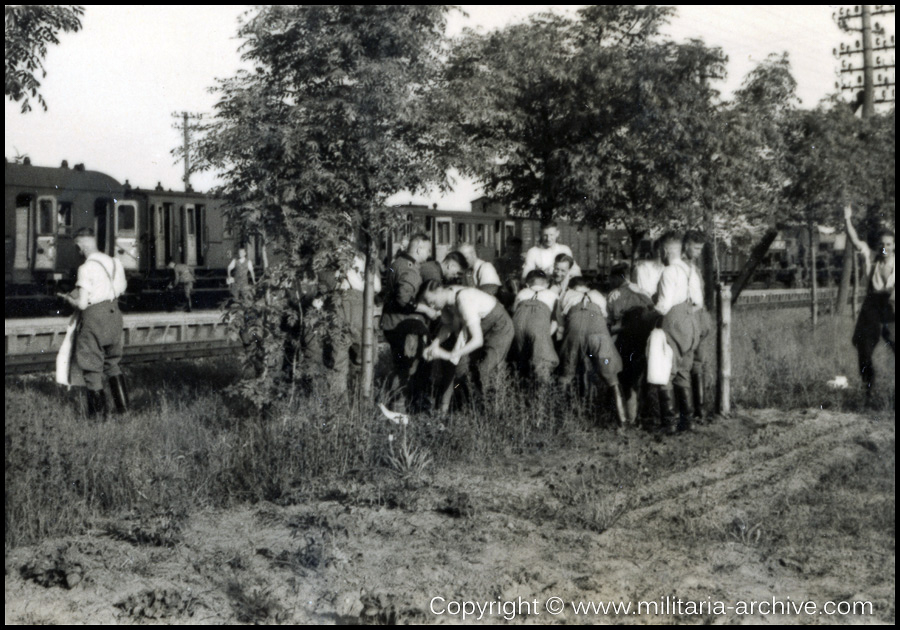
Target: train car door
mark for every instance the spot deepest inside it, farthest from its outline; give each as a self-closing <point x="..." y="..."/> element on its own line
<point x="103" y="224"/>
<point x="442" y="242"/>
<point x="159" y="235"/>
<point x="23" y="254"/>
<point x="189" y="234"/>
<point x="126" y="235"/>
<point x="45" y="241"/>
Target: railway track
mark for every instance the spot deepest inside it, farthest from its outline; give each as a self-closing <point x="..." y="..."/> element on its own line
<point x="32" y="344"/>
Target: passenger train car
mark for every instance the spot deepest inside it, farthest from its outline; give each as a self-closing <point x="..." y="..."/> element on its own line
<point x="146" y="228"/>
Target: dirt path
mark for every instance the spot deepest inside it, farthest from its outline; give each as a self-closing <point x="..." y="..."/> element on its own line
<point x="766" y="505"/>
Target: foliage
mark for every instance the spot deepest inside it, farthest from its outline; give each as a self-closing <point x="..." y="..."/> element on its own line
<point x="835" y="158"/>
<point x="29" y="30"/>
<point x="338" y="112"/>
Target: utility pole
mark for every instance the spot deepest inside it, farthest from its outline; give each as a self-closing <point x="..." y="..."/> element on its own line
<point x="186" y="128"/>
<point x="866" y="85"/>
<point x="872" y="89"/>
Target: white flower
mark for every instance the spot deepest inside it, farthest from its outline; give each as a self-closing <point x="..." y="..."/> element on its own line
<point x="391" y="437"/>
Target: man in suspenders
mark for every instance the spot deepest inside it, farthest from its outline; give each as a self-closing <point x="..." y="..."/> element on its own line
<point x="533" y="315"/>
<point x="679" y="292"/>
<point x="98" y="342"/>
<point x="878" y="312"/>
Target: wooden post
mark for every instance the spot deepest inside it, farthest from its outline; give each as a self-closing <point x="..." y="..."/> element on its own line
<point x="813" y="279"/>
<point x="367" y="384"/>
<point x="723" y="351"/>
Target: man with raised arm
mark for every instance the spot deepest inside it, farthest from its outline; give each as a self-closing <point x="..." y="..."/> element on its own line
<point x="876" y="317"/>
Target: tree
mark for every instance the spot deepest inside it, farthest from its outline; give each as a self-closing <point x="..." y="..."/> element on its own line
<point x="830" y="165"/>
<point x="590" y="119"/>
<point x="29" y="29"/>
<point x="337" y="113"/>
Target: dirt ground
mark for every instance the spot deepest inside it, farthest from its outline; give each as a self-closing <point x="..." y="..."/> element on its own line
<point x="765" y="505"/>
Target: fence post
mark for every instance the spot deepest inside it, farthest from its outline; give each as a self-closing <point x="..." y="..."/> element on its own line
<point x="723" y="350"/>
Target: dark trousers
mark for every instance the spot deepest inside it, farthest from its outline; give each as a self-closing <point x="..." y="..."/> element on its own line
<point x="98" y="343"/>
<point x="876" y="322"/>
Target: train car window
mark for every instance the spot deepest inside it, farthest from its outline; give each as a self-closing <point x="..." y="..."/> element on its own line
<point x="428" y="224"/>
<point x="126" y="220"/>
<point x="460" y="233"/>
<point x="479" y="234"/>
<point x="64" y="218"/>
<point x="443" y="234"/>
<point x="190" y="221"/>
<point x="45" y="216"/>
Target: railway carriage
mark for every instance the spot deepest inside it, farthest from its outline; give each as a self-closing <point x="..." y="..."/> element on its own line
<point x="144" y="229"/>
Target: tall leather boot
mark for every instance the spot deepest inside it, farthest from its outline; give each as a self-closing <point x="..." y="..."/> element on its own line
<point x="119" y="392"/>
<point x="667" y="413"/>
<point x="685" y="409"/>
<point x="698" y="389"/>
<point x="620" y="405"/>
<point x="96" y="404"/>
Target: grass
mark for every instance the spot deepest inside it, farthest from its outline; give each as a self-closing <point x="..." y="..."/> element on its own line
<point x="187" y="445"/>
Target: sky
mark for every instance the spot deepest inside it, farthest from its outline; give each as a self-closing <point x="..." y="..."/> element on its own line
<point x="112" y="87"/>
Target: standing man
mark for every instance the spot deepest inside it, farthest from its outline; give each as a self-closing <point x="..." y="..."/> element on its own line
<point x="183" y="281"/>
<point x="404" y="320"/>
<point x="693" y="253"/>
<point x="544" y="255"/>
<point x="876" y="317"/>
<point x="484" y="274"/>
<point x="678" y="293"/>
<point x="242" y="275"/>
<point x="98" y="342"/>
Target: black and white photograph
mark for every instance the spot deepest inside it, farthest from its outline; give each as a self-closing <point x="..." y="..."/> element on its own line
<point x="472" y="314"/>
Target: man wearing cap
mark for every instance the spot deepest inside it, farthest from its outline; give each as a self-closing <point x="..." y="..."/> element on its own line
<point x="98" y="342"/>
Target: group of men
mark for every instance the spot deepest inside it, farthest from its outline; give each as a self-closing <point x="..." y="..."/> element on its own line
<point x="445" y="320"/>
<point x="545" y="318"/>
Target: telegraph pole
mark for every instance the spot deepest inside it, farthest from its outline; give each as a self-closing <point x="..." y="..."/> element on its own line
<point x="877" y="50"/>
<point x="186" y="128"/>
<point x="866" y="86"/>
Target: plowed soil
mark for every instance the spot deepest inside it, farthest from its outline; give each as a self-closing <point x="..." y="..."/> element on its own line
<point x="795" y="507"/>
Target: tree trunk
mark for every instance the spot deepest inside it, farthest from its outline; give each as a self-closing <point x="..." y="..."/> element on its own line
<point x="846" y="274"/>
<point x="367" y="382"/>
<point x="813" y="281"/>
<point x="756" y="256"/>
<point x="855" y="264"/>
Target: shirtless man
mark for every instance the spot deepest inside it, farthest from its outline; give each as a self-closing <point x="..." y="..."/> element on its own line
<point x="486" y="336"/>
<point x="876" y="317"/>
